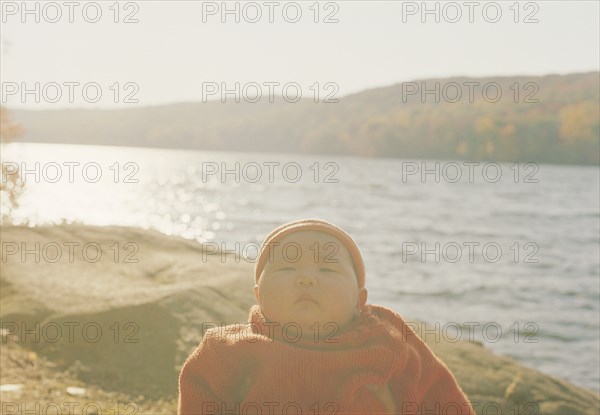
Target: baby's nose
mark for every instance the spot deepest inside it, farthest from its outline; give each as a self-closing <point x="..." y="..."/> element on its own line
<point x="305" y="278"/>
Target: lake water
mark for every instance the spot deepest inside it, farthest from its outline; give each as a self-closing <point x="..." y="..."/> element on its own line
<point x="517" y="263"/>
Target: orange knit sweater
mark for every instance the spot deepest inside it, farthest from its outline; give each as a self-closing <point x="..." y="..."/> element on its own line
<point x="252" y="369"/>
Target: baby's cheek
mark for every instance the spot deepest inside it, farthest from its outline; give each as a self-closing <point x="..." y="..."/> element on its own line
<point x="271" y="294"/>
<point x="276" y="307"/>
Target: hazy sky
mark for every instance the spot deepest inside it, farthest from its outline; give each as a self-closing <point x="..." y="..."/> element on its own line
<point x="177" y="48"/>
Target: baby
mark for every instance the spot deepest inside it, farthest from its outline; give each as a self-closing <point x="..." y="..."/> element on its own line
<point x="312" y="345"/>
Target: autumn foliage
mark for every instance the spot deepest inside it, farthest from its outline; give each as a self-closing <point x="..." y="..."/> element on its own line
<point x="11" y="185"/>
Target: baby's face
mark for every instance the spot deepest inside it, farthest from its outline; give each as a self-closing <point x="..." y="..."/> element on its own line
<point x="309" y="277"/>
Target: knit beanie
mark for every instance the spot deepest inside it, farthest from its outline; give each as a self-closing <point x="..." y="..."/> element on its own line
<point x="311" y="225"/>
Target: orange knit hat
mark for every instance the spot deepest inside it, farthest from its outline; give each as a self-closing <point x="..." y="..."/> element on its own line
<point x="311" y="225"/>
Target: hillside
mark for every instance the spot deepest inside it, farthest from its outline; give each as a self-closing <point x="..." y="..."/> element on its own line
<point x="551" y="119"/>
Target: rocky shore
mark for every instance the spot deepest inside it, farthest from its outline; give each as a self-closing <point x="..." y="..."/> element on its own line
<point x="100" y="320"/>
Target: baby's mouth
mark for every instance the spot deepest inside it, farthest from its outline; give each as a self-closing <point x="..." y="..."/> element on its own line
<point x="306" y="297"/>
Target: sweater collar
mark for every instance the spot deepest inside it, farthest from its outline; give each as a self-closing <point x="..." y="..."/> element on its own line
<point x="368" y="327"/>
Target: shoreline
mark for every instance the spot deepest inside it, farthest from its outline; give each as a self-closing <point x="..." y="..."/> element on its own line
<point x="291" y="154"/>
<point x="171" y="291"/>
